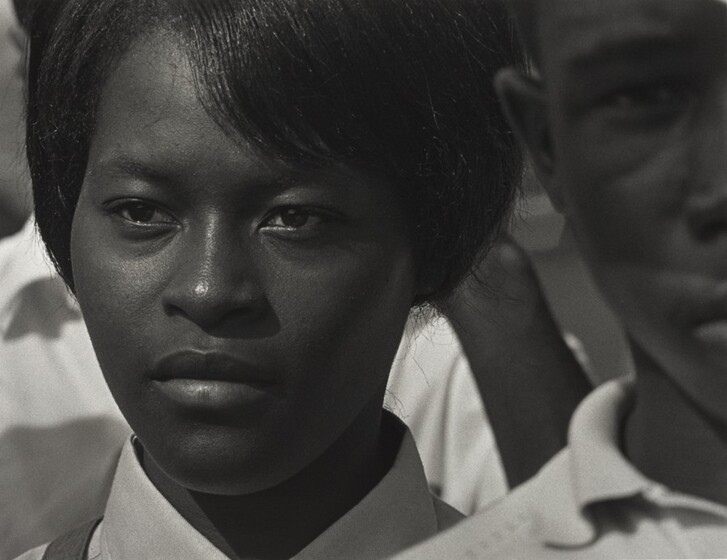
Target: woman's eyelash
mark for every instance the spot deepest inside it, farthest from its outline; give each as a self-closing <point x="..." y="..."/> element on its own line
<point x="139" y="212"/>
<point x="296" y="217"/>
<point x="292" y="218"/>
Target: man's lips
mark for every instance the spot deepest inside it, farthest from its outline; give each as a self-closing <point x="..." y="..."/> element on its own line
<point x="708" y="316"/>
<point x="711" y="307"/>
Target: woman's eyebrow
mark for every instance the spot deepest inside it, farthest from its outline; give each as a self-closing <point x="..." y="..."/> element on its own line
<point x="268" y="182"/>
<point x="122" y="166"/>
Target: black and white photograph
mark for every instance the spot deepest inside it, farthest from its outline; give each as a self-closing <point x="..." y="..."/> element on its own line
<point x="363" y="279"/>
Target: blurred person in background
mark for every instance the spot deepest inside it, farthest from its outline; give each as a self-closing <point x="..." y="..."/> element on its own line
<point x="625" y="119"/>
<point x="15" y="200"/>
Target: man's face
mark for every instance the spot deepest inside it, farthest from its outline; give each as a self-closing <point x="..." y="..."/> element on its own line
<point x="635" y="95"/>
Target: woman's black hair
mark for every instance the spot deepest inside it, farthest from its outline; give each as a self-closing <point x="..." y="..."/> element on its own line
<point x="400" y="86"/>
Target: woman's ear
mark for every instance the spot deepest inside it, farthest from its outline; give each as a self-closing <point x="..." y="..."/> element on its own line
<point x="524" y="104"/>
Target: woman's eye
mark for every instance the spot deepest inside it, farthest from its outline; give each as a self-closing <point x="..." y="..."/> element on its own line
<point x="143" y="213"/>
<point x="294" y="218"/>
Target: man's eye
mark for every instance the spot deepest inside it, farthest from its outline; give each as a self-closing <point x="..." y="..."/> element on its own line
<point x="293" y="218"/>
<point x="143" y="213"/>
<point x="652" y="97"/>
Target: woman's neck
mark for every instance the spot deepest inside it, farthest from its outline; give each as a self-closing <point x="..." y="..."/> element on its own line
<point x="279" y="522"/>
<point x="670" y="440"/>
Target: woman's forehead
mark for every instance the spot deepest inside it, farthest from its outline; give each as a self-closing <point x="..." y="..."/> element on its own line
<point x="151" y="70"/>
<point x="150" y="108"/>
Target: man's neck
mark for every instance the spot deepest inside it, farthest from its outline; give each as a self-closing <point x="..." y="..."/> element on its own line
<point x="670" y="440"/>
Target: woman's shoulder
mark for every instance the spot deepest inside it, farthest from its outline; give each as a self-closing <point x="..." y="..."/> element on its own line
<point x="82" y="543"/>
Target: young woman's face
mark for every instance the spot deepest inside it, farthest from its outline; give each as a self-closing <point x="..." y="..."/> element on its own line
<point x="244" y="312"/>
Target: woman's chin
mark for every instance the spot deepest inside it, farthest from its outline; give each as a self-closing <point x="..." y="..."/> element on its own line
<point x="223" y="472"/>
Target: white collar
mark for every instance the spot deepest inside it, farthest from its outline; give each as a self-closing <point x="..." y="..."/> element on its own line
<point x="398" y="513"/>
<point x="593" y="469"/>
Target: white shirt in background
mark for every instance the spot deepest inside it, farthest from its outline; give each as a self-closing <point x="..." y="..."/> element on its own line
<point x="588" y="502"/>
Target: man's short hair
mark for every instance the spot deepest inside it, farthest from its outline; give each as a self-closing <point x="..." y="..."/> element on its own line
<point x="526" y="15"/>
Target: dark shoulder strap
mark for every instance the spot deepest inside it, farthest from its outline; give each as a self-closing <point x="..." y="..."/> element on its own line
<point x="72" y="545"/>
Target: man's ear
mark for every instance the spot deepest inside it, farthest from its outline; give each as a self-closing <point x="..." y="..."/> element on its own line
<point x="524" y="104"/>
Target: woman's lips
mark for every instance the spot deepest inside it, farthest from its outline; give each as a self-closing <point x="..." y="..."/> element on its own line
<point x="208" y="394"/>
<point x="211" y="380"/>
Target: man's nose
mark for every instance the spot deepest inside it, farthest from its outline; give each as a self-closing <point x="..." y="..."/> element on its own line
<point x="707" y="207"/>
<point x="215" y="283"/>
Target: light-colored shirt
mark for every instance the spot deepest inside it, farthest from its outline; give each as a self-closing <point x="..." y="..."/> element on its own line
<point x="431" y="388"/>
<point x="61" y="432"/>
<point x="589" y="502"/>
<point x="397" y="513"/>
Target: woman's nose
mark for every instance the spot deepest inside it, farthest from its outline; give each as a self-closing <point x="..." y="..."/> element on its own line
<point x="214" y="283"/>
